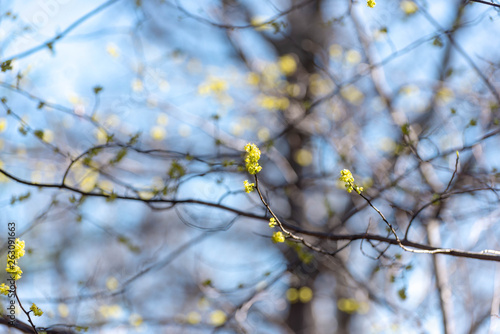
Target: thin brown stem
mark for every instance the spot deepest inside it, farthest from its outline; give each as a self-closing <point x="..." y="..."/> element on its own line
<point x="22" y="308"/>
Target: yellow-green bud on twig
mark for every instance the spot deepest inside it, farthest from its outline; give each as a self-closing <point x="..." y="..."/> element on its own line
<point x="249" y="187"/>
<point x="278" y="237"/>
<point x="36" y="311"/>
<point x="348" y="179"/>
<point x="252" y="158"/>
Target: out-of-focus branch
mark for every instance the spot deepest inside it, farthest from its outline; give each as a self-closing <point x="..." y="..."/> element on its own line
<point x="245" y="26"/>
<point x="49" y="43"/>
<point x="495" y="302"/>
<point x="486" y="3"/>
<point x="462" y="52"/>
<point x="26" y="328"/>
<point x="442" y="282"/>
<point x="489" y="255"/>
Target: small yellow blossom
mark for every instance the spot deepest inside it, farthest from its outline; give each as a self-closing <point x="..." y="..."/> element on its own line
<point x="263" y="134"/>
<point x="4" y="289"/>
<point x="274" y="102"/>
<point x="287" y="64"/>
<point x="408" y="7"/>
<point x="137" y="85"/>
<point x="278" y="237"/>
<point x="252" y="158"/>
<point x="272" y="222"/>
<point x="112" y="283"/>
<point x="48" y="136"/>
<point x="218" y="318"/>
<point x="101" y="135"/>
<point x="346" y="176"/>
<point x="353" y="57"/>
<point x="347" y="305"/>
<point x="445" y="95"/>
<point x="135" y="319"/>
<point x="213" y="85"/>
<point x="303" y="157"/>
<point x="292" y="295"/>
<point x="335" y="51"/>
<point x="3" y="124"/>
<point x="63" y="310"/>
<point x="193" y="318"/>
<point x="36" y="311"/>
<point x="253" y="79"/>
<point x="352" y="94"/>
<point x="14" y="270"/>
<point x="19" y="248"/>
<point x="249" y="187"/>
<point x="158" y="133"/>
<point x="113" y="50"/>
<point x="162" y="120"/>
<point x="305" y="294"/>
<point x="111" y="311"/>
<point x="12" y="256"/>
<point x="348" y="179"/>
<point x="370" y="3"/>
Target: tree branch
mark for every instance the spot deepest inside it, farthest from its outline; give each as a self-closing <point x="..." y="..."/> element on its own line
<point x="61" y="34"/>
<point x="486" y="3"/>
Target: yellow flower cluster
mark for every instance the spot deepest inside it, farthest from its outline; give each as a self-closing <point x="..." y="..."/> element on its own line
<point x="408" y="7"/>
<point x="348" y="179"/>
<point x="213" y="85"/>
<point x="252" y="158"/>
<point x="351" y="305"/>
<point x="36" y="310"/>
<point x="287" y="64"/>
<point x="4" y="289"/>
<point x="278" y="237"/>
<point x="273" y="102"/>
<point x="370" y="3"/>
<point x="14" y="254"/>
<point x="249" y="187"/>
<point x="304" y="294"/>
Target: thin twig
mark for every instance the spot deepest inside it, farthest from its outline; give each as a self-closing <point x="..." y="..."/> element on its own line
<point x="495" y="254"/>
<point x="286" y="231"/>
<point x="453" y="175"/>
<point x="61" y="34"/>
<point x="486" y="3"/>
<point x="245" y="26"/>
<point x="22" y="308"/>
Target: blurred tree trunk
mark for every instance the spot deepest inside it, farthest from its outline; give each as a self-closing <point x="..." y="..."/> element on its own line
<point x="305" y="38"/>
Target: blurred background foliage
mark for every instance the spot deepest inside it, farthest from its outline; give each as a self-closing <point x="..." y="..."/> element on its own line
<point x="122" y="127"/>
